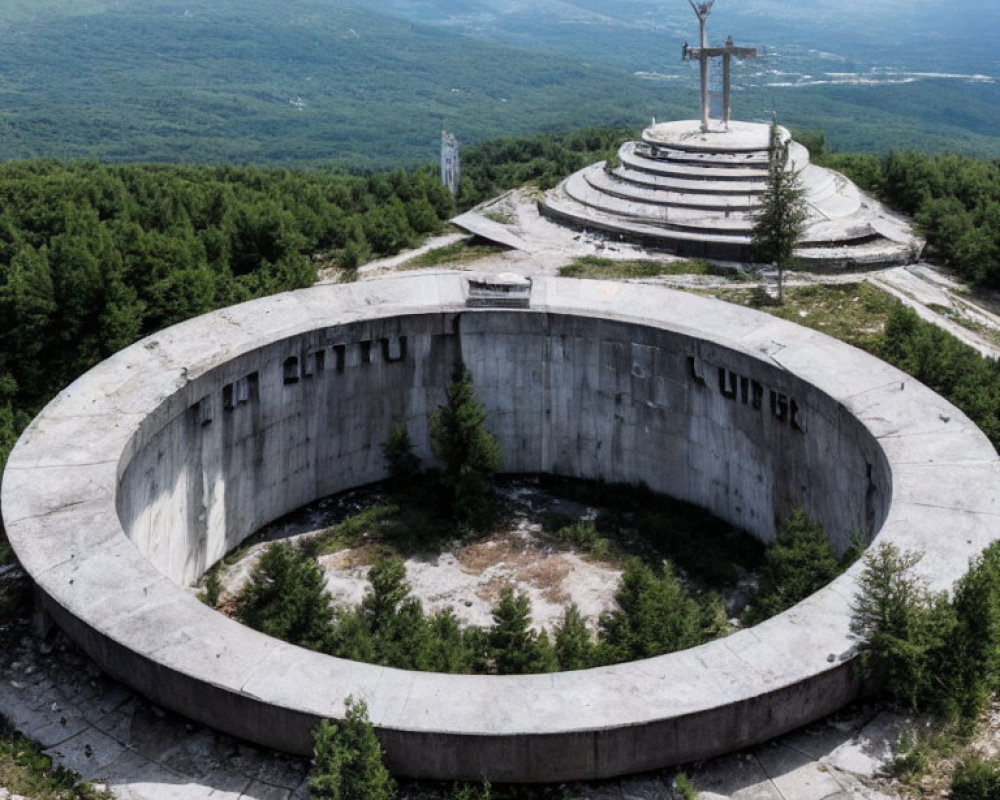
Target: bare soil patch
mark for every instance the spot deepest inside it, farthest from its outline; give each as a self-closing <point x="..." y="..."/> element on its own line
<point x="467" y="576"/>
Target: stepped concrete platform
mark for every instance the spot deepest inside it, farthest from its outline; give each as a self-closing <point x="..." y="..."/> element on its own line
<point x="697" y="194"/>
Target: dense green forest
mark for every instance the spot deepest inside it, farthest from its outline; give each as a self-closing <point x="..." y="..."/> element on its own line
<point x="955" y="202"/>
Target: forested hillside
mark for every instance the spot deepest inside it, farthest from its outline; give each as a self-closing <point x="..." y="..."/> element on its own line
<point x="955" y="202"/>
<point x="340" y="83"/>
<point x="318" y="82"/>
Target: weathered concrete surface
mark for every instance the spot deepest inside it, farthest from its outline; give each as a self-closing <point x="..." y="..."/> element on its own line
<point x="637" y="384"/>
<point x="698" y="194"/>
<point x="109" y="735"/>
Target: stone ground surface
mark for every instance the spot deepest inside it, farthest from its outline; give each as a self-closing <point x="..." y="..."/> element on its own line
<point x="93" y="725"/>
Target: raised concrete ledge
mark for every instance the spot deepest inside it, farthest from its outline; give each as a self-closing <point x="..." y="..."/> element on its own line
<point x="63" y="502"/>
<point x="686" y="135"/>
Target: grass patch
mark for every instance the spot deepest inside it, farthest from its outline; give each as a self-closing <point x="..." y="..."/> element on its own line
<point x="6" y="554"/>
<point x="635" y="521"/>
<point x="27" y="771"/>
<point x="855" y="313"/>
<point x="376" y="524"/>
<point x="605" y="268"/>
<point x="458" y="253"/>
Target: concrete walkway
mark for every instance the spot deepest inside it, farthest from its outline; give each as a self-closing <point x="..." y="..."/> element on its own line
<point x="93" y="725"/>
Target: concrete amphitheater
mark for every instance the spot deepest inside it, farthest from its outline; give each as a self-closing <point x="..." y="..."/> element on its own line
<point x="696" y="193"/>
<point x="147" y="469"/>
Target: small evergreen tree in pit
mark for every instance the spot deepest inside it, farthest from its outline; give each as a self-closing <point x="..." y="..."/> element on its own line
<point x="655" y="615"/>
<point x="468" y="453"/>
<point x="574" y="645"/>
<point x="781" y="219"/>
<point x="512" y="646"/>
<point x="798" y="563"/>
<point x="402" y="462"/>
<point x="286" y="598"/>
<point x="347" y="759"/>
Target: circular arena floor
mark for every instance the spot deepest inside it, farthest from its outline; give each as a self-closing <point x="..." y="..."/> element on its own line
<point x="148" y="468"/>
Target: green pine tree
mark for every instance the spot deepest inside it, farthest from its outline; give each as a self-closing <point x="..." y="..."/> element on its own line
<point x="796" y="564"/>
<point x="347" y="759"/>
<point x="468" y="453"/>
<point x="781" y="219"/>
<point x="286" y="598"/>
<point x="574" y="646"/>
<point x="512" y="646"/>
<point x="402" y="463"/>
<point x="655" y="615"/>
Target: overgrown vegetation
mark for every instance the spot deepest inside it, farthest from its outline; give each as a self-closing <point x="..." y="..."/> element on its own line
<point x="955" y="201"/>
<point x="655" y="610"/>
<point x="798" y="563"/>
<point x="607" y="268"/>
<point x="933" y="653"/>
<point x="347" y="759"/>
<point x="457" y="253"/>
<point x="976" y="778"/>
<point x="636" y="522"/>
<point x="946" y="365"/>
<point x="654" y="614"/>
<point x="937" y="652"/>
<point x="25" y="770"/>
<point x="467" y="453"/>
<point x="285" y="598"/>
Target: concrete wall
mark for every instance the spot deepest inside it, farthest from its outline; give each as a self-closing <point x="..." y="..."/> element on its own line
<point x="149" y="467"/>
<point x="307" y="416"/>
<point x="275" y="429"/>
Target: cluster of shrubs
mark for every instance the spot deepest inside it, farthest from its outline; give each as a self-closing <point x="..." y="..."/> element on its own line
<point x="654" y="611"/>
<point x="285" y="598"/>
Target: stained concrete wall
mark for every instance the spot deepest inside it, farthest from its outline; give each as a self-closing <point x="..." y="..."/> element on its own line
<point x="307" y="416"/>
<point x="275" y="429"/>
<point x="147" y="468"/>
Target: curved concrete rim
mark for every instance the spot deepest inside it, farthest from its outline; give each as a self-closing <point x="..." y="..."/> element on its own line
<point x="59" y="509"/>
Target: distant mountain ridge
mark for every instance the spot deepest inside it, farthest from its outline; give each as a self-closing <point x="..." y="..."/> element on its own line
<point x="327" y="82"/>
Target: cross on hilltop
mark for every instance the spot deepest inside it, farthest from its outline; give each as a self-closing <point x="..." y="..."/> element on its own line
<point x="704" y="53"/>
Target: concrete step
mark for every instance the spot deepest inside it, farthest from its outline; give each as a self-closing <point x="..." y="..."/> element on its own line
<point x="675" y="197"/>
<point x="691" y="183"/>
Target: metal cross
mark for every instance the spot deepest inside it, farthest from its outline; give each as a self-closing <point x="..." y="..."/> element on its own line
<point x="704" y="53"/>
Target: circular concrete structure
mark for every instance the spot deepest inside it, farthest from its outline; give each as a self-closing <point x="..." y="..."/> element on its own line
<point x="148" y="468"/>
<point x="698" y="194"/>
